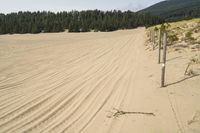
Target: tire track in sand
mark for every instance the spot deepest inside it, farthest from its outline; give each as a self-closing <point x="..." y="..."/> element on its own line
<point x="71" y="89"/>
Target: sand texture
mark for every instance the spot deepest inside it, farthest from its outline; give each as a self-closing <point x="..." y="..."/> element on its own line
<point x="93" y="83"/>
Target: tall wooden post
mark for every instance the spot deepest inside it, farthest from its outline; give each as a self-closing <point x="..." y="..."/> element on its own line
<point x="164" y="59"/>
<point x="154" y="40"/>
<point x="159" y="45"/>
<point x="150" y="35"/>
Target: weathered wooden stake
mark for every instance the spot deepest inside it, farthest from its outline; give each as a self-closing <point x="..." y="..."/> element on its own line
<point x="154" y="40"/>
<point x="164" y="59"/>
<point x="159" y="46"/>
<point x="150" y="36"/>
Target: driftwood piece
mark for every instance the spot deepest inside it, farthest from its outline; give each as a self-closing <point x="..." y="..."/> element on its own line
<point x="118" y="113"/>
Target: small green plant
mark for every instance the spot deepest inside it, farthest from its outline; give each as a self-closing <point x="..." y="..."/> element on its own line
<point x="172" y="38"/>
<point x="188" y="36"/>
<point x="165" y="26"/>
<point x="156" y="29"/>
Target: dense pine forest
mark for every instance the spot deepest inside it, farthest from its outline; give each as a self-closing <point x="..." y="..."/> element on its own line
<point x="74" y="21"/>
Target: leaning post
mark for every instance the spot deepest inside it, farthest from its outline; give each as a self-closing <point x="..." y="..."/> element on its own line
<point x="164" y="59"/>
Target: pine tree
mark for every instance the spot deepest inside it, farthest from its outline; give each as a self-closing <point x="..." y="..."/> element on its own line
<point x="74" y="21"/>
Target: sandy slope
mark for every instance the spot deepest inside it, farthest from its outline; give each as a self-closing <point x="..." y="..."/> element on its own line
<point x="71" y="82"/>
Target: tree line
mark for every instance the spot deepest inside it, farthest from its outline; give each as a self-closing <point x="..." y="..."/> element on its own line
<point x="74" y="21"/>
<point x="184" y="14"/>
<point x="175" y="10"/>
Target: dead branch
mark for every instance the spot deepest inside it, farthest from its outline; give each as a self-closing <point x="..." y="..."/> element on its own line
<point x="186" y="70"/>
<point x="118" y="113"/>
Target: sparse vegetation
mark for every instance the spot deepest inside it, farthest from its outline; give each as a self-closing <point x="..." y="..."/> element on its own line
<point x="165" y="26"/>
<point x="172" y="38"/>
<point x="156" y="29"/>
<point x="182" y="35"/>
<point x="188" y="37"/>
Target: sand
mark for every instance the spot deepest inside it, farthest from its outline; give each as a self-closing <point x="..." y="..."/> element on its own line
<point x="61" y="82"/>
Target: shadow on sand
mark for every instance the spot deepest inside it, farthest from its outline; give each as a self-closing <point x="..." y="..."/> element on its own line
<point x="174" y="58"/>
<point x="186" y="78"/>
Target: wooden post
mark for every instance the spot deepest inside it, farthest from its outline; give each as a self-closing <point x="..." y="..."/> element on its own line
<point x="151" y="32"/>
<point x="159" y="46"/>
<point x="154" y="40"/>
<point x="164" y="59"/>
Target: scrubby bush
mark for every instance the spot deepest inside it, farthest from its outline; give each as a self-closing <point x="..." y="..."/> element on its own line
<point x="188" y="36"/>
<point x="156" y="29"/>
<point x="172" y="38"/>
<point x="165" y="26"/>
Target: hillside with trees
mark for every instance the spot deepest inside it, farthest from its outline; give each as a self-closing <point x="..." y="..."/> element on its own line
<point x="175" y="10"/>
<point x="74" y="21"/>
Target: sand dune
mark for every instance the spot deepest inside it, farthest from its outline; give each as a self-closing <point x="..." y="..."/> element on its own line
<point x="71" y="83"/>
